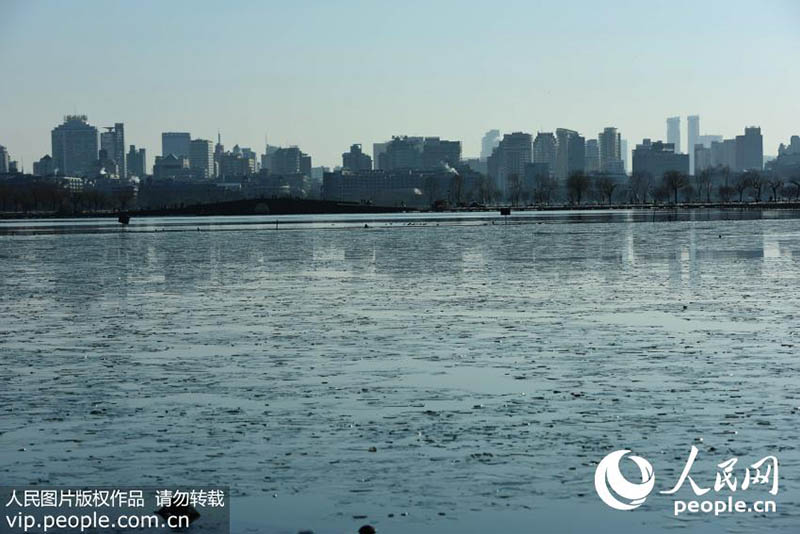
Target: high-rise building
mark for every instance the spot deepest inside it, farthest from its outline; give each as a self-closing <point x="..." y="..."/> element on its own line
<point x="305" y="164"/>
<point x="266" y="157"/>
<point x="476" y="164"/>
<point x="570" y="156"/>
<point x="251" y="155"/>
<point x="290" y="160"/>
<point x="702" y="158"/>
<point x="405" y="152"/>
<point x="44" y="167"/>
<point x="4" y="160"/>
<point x="438" y="153"/>
<point x="545" y="149"/>
<point x="219" y="151"/>
<point x="201" y="158"/>
<point x="235" y="165"/>
<point x="706" y="140"/>
<point x="591" y="157"/>
<point x="175" y="143"/>
<point x="657" y="158"/>
<point x="509" y="158"/>
<point x="723" y="153"/>
<point x="792" y="149"/>
<point x="611" y="151"/>
<point x="318" y="173"/>
<point x="113" y="142"/>
<point x="378" y="151"/>
<point x="171" y="167"/>
<point x="137" y="162"/>
<point x="402" y="152"/>
<point x="787" y="163"/>
<point x="356" y="160"/>
<point x="674" y="133"/>
<point x="490" y="140"/>
<point x="750" y="150"/>
<point x="74" y="146"/>
<point x="625" y="155"/>
<point x="693" y="137"/>
<point x="105" y="166"/>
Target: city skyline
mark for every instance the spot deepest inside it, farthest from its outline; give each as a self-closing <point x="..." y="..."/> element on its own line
<point x="115" y="147"/>
<point x="315" y="92"/>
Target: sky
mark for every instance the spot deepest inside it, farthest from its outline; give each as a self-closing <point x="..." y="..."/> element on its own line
<point x="326" y="74"/>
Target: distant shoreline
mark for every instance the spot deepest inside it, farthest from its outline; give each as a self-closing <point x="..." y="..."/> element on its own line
<point x="265" y="207"/>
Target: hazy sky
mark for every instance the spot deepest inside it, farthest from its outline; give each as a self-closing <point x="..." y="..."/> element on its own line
<point x="326" y="74"/>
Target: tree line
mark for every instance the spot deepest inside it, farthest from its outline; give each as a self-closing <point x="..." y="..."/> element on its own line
<point x="51" y="196"/>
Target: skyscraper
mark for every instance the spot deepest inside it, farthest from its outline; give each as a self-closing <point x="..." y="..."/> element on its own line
<point x="750" y="150"/>
<point x="176" y="143"/>
<point x="266" y="157"/>
<point x="693" y="125"/>
<point x="219" y="152"/>
<point x="201" y="158"/>
<point x="490" y="140"/>
<point x="74" y="146"/>
<point x="591" y="156"/>
<point x="702" y="158"/>
<point x="137" y="162"/>
<point x="570" y="156"/>
<point x="723" y="153"/>
<point x="4" y="159"/>
<point x="438" y="153"/>
<point x="356" y="160"/>
<point x="378" y="154"/>
<point x="623" y="143"/>
<point x="509" y="158"/>
<point x="43" y="167"/>
<point x="611" y="151"/>
<point x="402" y="152"/>
<point x="674" y="133"/>
<point x="657" y="158"/>
<point x="113" y="142"/>
<point x="545" y="148"/>
<point x="290" y="160"/>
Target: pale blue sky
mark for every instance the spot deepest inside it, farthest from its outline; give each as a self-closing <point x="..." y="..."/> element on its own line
<point x="325" y="74"/>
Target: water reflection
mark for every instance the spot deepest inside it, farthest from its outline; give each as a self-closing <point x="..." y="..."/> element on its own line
<point x="490" y="365"/>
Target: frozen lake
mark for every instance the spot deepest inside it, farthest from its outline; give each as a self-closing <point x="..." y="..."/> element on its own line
<point x="429" y="373"/>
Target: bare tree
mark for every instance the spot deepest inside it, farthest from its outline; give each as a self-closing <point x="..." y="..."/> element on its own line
<point x="486" y="190"/>
<point x="725" y="193"/>
<point x="741" y="185"/>
<point x="776" y="185"/>
<point x="756" y="182"/>
<point x="689" y="191"/>
<point x="660" y="194"/>
<point x="544" y="189"/>
<point x="577" y="184"/>
<point x="605" y="186"/>
<point x="674" y="181"/>
<point x="726" y="175"/>
<point x="792" y="190"/>
<point x="703" y="181"/>
<point x="514" y="189"/>
<point x="639" y="186"/>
